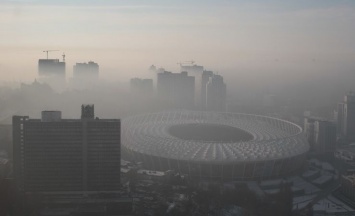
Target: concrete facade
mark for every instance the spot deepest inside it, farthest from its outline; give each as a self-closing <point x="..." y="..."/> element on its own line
<point x="66" y="155"/>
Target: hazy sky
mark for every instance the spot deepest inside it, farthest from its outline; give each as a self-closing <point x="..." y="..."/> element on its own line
<point x="125" y="37"/>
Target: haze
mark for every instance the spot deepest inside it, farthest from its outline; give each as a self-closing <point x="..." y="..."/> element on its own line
<point x="175" y="107"/>
<point x="291" y="39"/>
<point x="297" y="50"/>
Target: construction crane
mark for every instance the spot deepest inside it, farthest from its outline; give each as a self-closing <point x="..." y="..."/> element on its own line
<point x="186" y="62"/>
<point x="49" y="51"/>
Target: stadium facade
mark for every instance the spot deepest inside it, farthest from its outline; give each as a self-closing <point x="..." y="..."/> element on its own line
<point x="217" y="146"/>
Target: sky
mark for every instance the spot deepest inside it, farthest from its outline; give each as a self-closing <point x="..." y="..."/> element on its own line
<point x="293" y="39"/>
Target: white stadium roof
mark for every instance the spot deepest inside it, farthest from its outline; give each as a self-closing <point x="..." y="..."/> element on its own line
<point x="272" y="138"/>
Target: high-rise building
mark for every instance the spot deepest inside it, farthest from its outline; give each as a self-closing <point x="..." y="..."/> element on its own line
<point x="325" y="136"/>
<point x="216" y="94"/>
<point x="52" y="72"/>
<point x="308" y="129"/>
<point x="141" y="86"/>
<point x="52" y="154"/>
<point x="85" y="75"/>
<point x="176" y="88"/>
<point x="51" y="67"/>
<point x="86" y="71"/>
<point x="340" y="119"/>
<point x="321" y="134"/>
<point x="195" y="71"/>
<point x="349" y="117"/>
<point x="205" y="78"/>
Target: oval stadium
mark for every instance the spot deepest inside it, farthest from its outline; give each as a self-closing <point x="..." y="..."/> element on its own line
<point x="217" y="146"/>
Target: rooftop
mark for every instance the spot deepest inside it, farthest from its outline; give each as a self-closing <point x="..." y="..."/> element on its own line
<point x="272" y="138"/>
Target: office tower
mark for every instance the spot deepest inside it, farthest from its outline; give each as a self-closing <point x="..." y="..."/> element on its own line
<point x="340" y="119"/>
<point x="85" y="71"/>
<point x="325" y="136"/>
<point x="321" y="134"/>
<point x="349" y="117"/>
<point x="308" y="129"/>
<point x="176" y="88"/>
<point x="204" y="80"/>
<point x="52" y="154"/>
<point x="141" y="86"/>
<point x="195" y="71"/>
<point x="51" y="67"/>
<point x="52" y="72"/>
<point x="85" y="75"/>
<point x="216" y="94"/>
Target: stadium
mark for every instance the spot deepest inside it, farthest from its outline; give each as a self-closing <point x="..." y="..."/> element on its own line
<point x="217" y="146"/>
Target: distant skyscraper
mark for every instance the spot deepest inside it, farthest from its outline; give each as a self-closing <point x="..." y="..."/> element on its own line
<point x="205" y="78"/>
<point x="340" y="119"/>
<point x="52" y="154"/>
<point x="51" y="67"/>
<point x="308" y="129"/>
<point x="52" y="72"/>
<point x="321" y="134"/>
<point x="178" y="88"/>
<point x="346" y="117"/>
<point x="85" y="74"/>
<point x="195" y="71"/>
<point x="86" y="71"/>
<point x="216" y="94"/>
<point x="141" y="86"/>
<point x="325" y="136"/>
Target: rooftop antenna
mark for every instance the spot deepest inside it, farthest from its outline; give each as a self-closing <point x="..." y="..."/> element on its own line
<point x="63" y="57"/>
<point x="49" y="51"/>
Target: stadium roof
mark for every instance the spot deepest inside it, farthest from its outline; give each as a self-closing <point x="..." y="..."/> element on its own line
<point x="272" y="138"/>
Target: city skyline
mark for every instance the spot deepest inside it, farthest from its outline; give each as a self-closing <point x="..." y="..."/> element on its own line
<point x="128" y="36"/>
<point x="207" y="107"/>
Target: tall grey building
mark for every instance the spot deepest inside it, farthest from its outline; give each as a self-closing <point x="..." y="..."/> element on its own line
<point x="176" y="88"/>
<point x="88" y="70"/>
<point x="321" y="134"/>
<point x="52" y="72"/>
<point x="308" y="129"/>
<point x="206" y="75"/>
<point x="325" y="136"/>
<point x="85" y="75"/>
<point x="195" y="71"/>
<point x="52" y="154"/>
<point x="51" y="67"/>
<point x="340" y="119"/>
<point x="349" y="117"/>
<point x="346" y="117"/>
<point x="141" y="86"/>
<point x="216" y="94"/>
